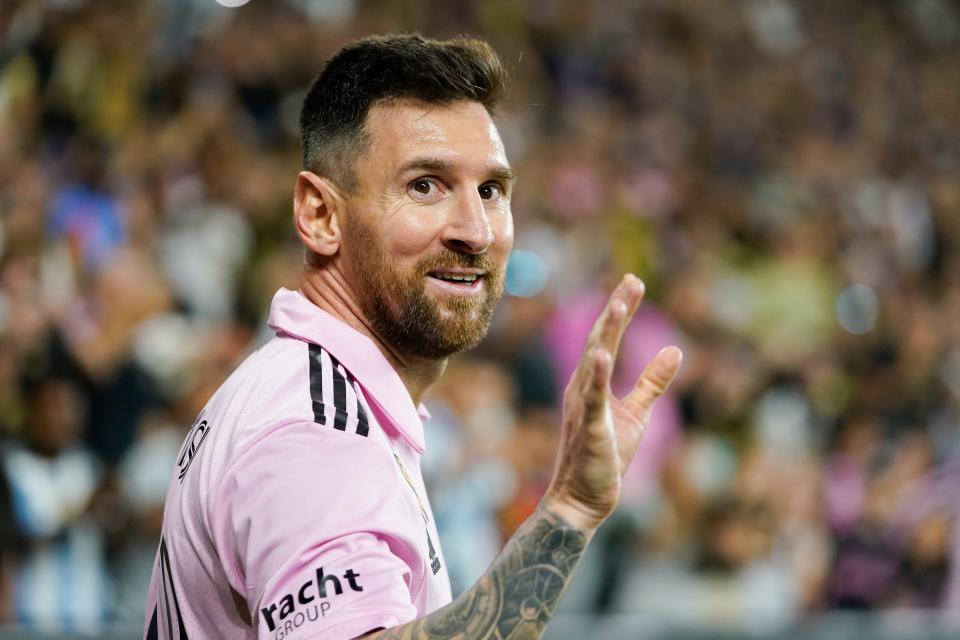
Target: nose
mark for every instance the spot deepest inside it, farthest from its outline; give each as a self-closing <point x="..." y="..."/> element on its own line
<point x="468" y="229"/>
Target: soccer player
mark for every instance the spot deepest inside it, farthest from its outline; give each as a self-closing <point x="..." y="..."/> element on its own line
<point x="296" y="508"/>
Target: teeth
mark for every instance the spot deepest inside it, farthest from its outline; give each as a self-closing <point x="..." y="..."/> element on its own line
<point x="456" y="278"/>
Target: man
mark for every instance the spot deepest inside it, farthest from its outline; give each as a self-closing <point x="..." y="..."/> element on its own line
<point x="297" y="509"/>
<point x="59" y="580"/>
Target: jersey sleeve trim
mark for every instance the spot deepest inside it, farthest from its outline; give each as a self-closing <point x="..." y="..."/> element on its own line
<point x="334" y="395"/>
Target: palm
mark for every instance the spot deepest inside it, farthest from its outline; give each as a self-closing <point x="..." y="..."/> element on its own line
<point x="629" y="429"/>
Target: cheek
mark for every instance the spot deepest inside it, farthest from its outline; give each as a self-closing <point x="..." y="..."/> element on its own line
<point x="413" y="239"/>
<point x="503" y="237"/>
<point x="411" y="233"/>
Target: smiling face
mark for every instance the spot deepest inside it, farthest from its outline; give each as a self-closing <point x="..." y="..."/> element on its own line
<point x="428" y="228"/>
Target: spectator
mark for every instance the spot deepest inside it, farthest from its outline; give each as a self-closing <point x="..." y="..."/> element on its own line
<point x="59" y="580"/>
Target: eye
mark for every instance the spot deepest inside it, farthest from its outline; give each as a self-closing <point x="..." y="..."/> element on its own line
<point x="490" y="191"/>
<point x="424" y="188"/>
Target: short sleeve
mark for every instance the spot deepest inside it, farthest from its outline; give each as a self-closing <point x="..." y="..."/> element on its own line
<point x="309" y="522"/>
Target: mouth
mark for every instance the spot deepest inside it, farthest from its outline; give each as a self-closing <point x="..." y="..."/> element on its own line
<point x="460" y="281"/>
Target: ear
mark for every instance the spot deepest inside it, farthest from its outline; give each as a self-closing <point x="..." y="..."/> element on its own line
<point x="317" y="208"/>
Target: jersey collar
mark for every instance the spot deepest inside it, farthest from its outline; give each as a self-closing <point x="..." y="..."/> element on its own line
<point x="291" y="313"/>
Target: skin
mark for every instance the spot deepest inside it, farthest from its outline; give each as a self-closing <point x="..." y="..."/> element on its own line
<point x="600" y="433"/>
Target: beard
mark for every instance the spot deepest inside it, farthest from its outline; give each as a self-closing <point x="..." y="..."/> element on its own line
<point x="400" y="311"/>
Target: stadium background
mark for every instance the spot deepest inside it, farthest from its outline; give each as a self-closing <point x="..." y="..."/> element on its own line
<point x="783" y="174"/>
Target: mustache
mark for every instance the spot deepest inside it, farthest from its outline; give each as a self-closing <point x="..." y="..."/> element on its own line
<point x="453" y="259"/>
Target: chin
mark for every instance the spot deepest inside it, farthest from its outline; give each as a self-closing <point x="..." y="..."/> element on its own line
<point x="459" y="341"/>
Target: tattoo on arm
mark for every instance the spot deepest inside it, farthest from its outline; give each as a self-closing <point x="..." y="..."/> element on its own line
<point x="517" y="595"/>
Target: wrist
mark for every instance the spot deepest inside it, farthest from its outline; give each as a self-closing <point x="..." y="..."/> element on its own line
<point x="574" y="516"/>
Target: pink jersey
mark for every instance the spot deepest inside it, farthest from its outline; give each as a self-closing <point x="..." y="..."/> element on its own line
<point x="297" y="508"/>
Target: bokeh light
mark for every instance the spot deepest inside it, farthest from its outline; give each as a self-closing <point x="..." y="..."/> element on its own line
<point x="857" y="308"/>
<point x="527" y="274"/>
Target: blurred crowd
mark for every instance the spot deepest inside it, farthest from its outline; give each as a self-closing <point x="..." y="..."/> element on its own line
<point x="784" y="175"/>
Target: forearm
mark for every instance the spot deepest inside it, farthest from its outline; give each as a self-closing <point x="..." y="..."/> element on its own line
<point x="517" y="595"/>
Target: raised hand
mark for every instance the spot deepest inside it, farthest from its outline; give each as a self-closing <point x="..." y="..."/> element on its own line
<point x="518" y="594"/>
<point x="601" y="433"/>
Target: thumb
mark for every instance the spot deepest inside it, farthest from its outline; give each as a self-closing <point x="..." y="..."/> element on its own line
<point x="654" y="380"/>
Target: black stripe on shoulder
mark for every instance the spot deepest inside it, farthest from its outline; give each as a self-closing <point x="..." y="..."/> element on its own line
<point x="339" y="399"/>
<point x="363" y="426"/>
<point x="319" y="369"/>
<point x="316" y="383"/>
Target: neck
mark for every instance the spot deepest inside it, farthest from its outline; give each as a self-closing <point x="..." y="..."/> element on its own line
<point x="325" y="286"/>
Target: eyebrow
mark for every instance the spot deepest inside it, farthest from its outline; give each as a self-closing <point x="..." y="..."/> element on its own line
<point x="503" y="173"/>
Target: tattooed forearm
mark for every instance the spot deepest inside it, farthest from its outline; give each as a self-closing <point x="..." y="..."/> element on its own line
<point x="516" y="597"/>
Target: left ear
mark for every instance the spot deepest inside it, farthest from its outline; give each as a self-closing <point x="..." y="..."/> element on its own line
<point x="317" y="208"/>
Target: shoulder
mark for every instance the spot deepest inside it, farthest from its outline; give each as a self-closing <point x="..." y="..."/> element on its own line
<point x="337" y="401"/>
<point x="287" y="381"/>
<point x="289" y="403"/>
<point x="270" y="373"/>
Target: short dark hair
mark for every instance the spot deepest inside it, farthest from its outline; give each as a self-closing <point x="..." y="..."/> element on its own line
<point x="379" y="69"/>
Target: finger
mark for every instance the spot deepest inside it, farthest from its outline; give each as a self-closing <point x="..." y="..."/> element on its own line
<point x="608" y="330"/>
<point x="596" y="390"/>
<point x="654" y="381"/>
